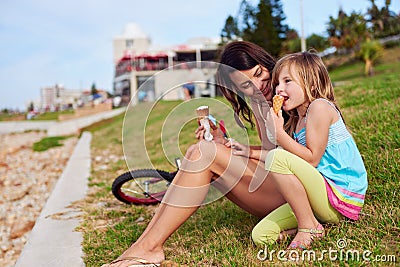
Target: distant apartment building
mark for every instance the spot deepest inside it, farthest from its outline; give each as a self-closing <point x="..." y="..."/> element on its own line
<point x="57" y="97"/>
<point x="137" y="61"/>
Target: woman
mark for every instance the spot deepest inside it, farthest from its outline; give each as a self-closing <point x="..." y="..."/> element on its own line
<point x="245" y="71"/>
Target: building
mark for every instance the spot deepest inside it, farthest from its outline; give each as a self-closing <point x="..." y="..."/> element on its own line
<point x="132" y="41"/>
<point x="146" y="73"/>
<point x="58" y="98"/>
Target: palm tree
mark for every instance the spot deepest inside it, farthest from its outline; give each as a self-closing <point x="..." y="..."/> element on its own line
<point x="370" y="51"/>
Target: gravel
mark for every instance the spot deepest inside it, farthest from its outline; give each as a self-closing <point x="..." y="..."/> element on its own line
<point x="26" y="181"/>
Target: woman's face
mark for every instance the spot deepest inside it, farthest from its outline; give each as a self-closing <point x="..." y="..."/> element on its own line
<point x="253" y="82"/>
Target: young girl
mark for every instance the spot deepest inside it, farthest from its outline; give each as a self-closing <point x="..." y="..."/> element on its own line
<point x="319" y="171"/>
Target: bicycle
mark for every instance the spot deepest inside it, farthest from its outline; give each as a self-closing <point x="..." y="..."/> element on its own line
<point x="143" y="186"/>
<point x="146" y="186"/>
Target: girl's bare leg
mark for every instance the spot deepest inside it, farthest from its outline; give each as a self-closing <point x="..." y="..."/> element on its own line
<point x="168" y="217"/>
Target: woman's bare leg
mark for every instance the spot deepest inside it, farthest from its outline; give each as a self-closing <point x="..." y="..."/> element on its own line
<point x="168" y="217"/>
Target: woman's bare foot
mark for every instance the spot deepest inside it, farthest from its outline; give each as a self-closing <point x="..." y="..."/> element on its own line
<point x="138" y="255"/>
<point x="131" y="262"/>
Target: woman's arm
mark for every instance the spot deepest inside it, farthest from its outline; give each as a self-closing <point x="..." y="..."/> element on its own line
<point x="258" y="153"/>
<point x="258" y="109"/>
<point x="254" y="152"/>
<point x="320" y="116"/>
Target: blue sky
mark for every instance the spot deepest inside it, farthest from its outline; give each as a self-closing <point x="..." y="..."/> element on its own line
<point x="44" y="42"/>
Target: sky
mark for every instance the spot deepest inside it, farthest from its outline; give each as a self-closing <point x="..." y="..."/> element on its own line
<point x="47" y="42"/>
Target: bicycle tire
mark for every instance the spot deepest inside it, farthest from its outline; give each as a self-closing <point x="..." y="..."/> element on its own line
<point x="127" y="187"/>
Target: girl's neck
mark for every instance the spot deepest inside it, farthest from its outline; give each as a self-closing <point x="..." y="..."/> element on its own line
<point x="302" y="110"/>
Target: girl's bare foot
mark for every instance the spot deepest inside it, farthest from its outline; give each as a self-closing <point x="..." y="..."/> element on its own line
<point x="284" y="235"/>
<point x="305" y="237"/>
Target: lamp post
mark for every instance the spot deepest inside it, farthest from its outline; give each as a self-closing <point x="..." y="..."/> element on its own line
<point x="303" y="39"/>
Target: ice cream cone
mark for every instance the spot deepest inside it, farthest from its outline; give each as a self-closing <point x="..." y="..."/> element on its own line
<point x="203" y="113"/>
<point x="277" y="102"/>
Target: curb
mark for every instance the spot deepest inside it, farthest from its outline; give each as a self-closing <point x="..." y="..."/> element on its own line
<point x="53" y="240"/>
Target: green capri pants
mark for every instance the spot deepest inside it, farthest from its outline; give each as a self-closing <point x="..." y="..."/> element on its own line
<point x="281" y="161"/>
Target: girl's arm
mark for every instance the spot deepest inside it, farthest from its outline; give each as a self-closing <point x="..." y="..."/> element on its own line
<point x="319" y="118"/>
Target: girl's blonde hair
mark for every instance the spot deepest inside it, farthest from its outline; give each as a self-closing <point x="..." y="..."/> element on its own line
<point x="312" y="76"/>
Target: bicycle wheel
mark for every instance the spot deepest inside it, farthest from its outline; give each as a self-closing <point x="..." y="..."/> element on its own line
<point x="142" y="187"/>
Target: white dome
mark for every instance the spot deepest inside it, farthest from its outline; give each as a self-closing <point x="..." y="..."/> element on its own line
<point x="133" y="30"/>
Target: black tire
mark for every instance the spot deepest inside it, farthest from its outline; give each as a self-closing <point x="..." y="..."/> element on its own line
<point x="130" y="188"/>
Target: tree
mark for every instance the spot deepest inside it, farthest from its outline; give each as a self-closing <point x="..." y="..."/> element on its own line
<point x="383" y="21"/>
<point x="262" y="25"/>
<point x="230" y="31"/>
<point x="347" y="32"/>
<point x="31" y="106"/>
<point x="292" y="43"/>
<point x="270" y="31"/>
<point x="370" y="51"/>
<point x="93" y="89"/>
<point x="317" y="42"/>
<point x="246" y="20"/>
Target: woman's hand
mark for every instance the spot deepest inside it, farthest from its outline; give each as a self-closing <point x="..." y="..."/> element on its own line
<point x="217" y="134"/>
<point x="238" y="148"/>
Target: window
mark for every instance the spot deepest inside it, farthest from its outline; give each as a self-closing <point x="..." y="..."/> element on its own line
<point x="129" y="43"/>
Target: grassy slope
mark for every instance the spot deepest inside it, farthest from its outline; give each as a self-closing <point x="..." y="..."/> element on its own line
<point x="219" y="233"/>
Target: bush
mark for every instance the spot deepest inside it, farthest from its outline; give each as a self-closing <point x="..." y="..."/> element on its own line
<point x="47" y="143"/>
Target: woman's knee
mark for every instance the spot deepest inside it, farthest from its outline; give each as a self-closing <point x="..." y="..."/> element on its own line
<point x="201" y="149"/>
<point x="192" y="151"/>
<point x="200" y="156"/>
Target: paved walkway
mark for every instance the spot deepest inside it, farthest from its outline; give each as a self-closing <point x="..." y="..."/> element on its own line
<point x="57" y="128"/>
<point x="53" y="240"/>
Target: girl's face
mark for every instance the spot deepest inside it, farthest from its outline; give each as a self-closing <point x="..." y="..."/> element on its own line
<point x="291" y="91"/>
<point x="253" y="82"/>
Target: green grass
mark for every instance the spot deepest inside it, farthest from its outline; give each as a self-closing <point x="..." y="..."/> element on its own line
<point x="42" y="117"/>
<point x="47" y="143"/>
<point x="52" y="115"/>
<point x="10" y="117"/>
<point x="218" y="234"/>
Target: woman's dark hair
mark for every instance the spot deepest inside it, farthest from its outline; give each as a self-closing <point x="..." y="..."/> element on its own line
<point x="240" y="55"/>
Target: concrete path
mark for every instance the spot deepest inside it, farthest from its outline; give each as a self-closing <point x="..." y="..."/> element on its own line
<point x="22" y="126"/>
<point x="57" y="128"/>
<point x="53" y="240"/>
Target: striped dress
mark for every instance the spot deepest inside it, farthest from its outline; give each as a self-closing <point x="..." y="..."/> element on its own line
<point x="343" y="169"/>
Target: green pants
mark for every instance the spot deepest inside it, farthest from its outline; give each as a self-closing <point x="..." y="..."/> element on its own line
<point x="280" y="161"/>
